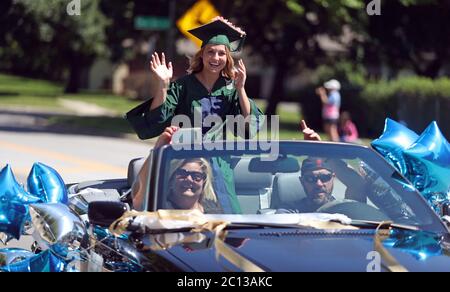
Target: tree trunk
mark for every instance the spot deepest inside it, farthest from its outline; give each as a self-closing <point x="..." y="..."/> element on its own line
<point x="277" y="93"/>
<point x="431" y="70"/>
<point x="73" y="84"/>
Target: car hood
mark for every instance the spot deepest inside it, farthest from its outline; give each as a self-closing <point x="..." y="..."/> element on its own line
<point x="313" y="250"/>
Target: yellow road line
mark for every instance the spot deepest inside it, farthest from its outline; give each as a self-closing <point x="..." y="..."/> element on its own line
<point x="87" y="165"/>
<point x="63" y="171"/>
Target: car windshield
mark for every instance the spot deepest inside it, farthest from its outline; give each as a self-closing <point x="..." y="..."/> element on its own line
<point x="301" y="177"/>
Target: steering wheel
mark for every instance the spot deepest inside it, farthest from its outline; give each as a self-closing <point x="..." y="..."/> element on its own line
<point x="353" y="209"/>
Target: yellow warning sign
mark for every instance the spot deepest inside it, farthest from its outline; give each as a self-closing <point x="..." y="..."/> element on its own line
<point x="202" y="12"/>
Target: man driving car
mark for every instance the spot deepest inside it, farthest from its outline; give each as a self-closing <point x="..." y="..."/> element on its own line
<point x="317" y="178"/>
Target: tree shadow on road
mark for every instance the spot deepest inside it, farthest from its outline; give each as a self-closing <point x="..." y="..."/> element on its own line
<point x="64" y="124"/>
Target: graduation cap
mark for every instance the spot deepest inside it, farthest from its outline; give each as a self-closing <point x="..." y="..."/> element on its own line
<point x="219" y="32"/>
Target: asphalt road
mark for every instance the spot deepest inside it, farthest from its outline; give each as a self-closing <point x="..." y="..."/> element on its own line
<point x="24" y="139"/>
<point x="75" y="157"/>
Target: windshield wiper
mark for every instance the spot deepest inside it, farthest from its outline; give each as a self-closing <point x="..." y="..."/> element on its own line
<point x="375" y="224"/>
<point x="365" y="224"/>
<point x="260" y="224"/>
<point x="314" y="224"/>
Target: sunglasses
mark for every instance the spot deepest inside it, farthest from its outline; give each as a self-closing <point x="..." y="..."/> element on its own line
<point x="195" y="175"/>
<point x="314" y="178"/>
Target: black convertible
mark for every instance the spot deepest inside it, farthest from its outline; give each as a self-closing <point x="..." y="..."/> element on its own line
<point x="375" y="221"/>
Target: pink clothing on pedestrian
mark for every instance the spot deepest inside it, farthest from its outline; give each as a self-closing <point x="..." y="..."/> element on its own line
<point x="330" y="110"/>
<point x="349" y="132"/>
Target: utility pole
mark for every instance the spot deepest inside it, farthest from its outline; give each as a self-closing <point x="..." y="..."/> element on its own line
<point x="171" y="31"/>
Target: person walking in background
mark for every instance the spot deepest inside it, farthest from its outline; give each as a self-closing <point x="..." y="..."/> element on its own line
<point x="347" y="129"/>
<point x="331" y="102"/>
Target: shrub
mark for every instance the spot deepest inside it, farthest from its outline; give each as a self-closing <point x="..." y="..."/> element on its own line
<point x="414" y="100"/>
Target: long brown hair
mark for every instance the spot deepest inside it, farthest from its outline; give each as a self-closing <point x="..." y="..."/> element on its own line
<point x="196" y="63"/>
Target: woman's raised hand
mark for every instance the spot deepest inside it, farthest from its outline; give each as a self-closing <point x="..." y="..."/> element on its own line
<point x="166" y="137"/>
<point x="320" y="91"/>
<point x="163" y="72"/>
<point x="241" y="75"/>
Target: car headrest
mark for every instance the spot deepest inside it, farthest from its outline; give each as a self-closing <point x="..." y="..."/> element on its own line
<point x="287" y="190"/>
<point x="245" y="180"/>
<point x="134" y="167"/>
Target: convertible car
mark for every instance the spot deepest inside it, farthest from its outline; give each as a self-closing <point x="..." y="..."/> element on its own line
<point x="375" y="221"/>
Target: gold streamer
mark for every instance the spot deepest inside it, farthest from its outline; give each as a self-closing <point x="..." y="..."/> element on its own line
<point x="391" y="263"/>
<point x="200" y="224"/>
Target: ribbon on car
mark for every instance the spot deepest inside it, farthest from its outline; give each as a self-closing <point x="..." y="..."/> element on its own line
<point x="196" y="221"/>
<point x="228" y="253"/>
<point x="179" y="219"/>
<point x="391" y="264"/>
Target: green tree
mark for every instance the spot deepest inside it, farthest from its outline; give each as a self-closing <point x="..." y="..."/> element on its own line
<point x="411" y="34"/>
<point x="122" y="14"/>
<point x="284" y="32"/>
<point x="19" y="41"/>
<point x="66" y="43"/>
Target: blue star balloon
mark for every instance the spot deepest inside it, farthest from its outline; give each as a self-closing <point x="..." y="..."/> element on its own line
<point x="394" y="139"/>
<point x="13" y="201"/>
<point x="45" y="261"/>
<point x="45" y="183"/>
<point x="428" y="164"/>
<point x="420" y="244"/>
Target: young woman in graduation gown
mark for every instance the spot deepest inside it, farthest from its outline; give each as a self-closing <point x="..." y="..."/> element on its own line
<point x="213" y="87"/>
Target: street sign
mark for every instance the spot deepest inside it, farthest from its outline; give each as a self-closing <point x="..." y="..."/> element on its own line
<point x="202" y="12"/>
<point x="151" y="23"/>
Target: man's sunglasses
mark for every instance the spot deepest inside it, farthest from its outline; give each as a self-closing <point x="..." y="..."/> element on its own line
<point x="195" y="175"/>
<point x="314" y="178"/>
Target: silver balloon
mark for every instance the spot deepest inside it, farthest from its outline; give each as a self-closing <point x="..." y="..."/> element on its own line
<point x="5" y="238"/>
<point x="78" y="204"/>
<point x="58" y="226"/>
<point x="10" y="256"/>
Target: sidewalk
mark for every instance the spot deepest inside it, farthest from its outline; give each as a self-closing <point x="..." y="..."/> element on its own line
<point x="81" y="108"/>
<point x="69" y="107"/>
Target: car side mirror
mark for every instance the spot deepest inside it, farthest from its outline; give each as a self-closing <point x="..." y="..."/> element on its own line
<point x="445" y="213"/>
<point x="104" y="213"/>
<point x="445" y="209"/>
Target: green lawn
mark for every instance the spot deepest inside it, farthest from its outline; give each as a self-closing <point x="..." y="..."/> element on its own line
<point x="13" y="86"/>
<point x="20" y="91"/>
<point x="289" y="123"/>
<point x="29" y="101"/>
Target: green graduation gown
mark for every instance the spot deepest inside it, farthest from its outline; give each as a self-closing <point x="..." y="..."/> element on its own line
<point x="187" y="96"/>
